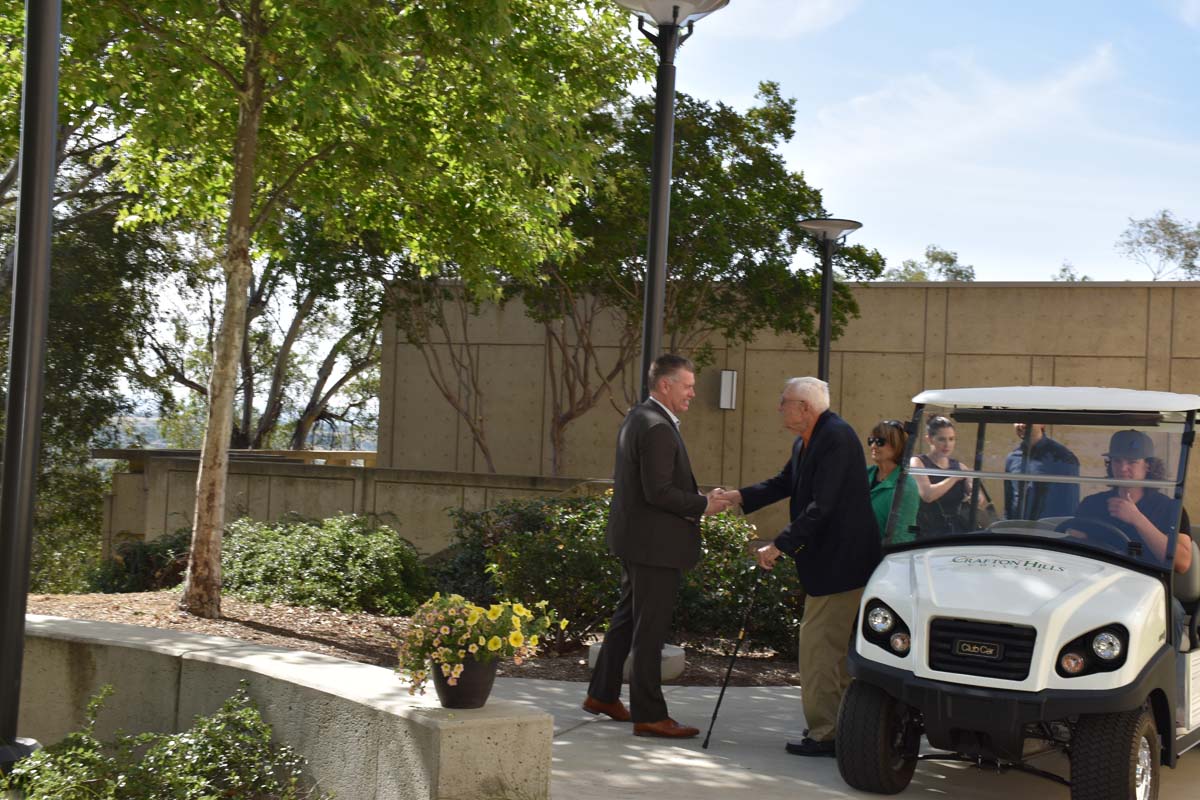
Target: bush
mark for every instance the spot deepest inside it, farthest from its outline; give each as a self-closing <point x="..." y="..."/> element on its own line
<point x="145" y="566"/>
<point x="556" y="549"/>
<point x="712" y="601"/>
<point x="66" y="523"/>
<point x="228" y="755"/>
<point x="348" y="562"/>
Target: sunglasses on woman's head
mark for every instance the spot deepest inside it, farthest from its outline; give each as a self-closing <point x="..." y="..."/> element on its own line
<point x="893" y="423"/>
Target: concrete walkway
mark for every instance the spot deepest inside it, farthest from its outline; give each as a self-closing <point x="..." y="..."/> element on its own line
<point x="598" y="759"/>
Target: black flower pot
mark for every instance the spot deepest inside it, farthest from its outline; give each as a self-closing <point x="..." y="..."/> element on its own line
<point x="473" y="686"/>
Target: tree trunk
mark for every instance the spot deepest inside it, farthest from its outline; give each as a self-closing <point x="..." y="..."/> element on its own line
<point x="202" y="585"/>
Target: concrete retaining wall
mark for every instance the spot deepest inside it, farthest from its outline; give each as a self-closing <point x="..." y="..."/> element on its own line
<point x="364" y="736"/>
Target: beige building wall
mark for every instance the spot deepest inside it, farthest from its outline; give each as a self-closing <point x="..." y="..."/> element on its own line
<point x="908" y="337"/>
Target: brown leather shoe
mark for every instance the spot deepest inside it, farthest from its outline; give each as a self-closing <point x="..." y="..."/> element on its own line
<point x="666" y="728"/>
<point x="615" y="709"/>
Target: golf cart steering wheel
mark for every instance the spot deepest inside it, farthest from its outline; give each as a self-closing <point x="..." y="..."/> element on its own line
<point x="1103" y="532"/>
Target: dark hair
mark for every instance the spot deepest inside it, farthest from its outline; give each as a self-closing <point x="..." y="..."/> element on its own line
<point x="892" y="431"/>
<point x="935" y="424"/>
<point x="665" y="366"/>
<point x="1156" y="470"/>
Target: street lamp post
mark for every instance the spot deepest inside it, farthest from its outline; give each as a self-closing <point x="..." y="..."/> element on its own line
<point x="27" y="355"/>
<point x="829" y="232"/>
<point x="670" y="18"/>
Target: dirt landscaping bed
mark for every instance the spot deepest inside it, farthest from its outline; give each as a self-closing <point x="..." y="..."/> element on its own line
<point x="370" y="639"/>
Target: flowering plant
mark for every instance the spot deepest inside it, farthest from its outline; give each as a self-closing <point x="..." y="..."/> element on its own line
<point x="449" y="629"/>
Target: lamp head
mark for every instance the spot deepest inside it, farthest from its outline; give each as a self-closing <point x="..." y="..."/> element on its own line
<point x="672" y="12"/>
<point x="826" y="228"/>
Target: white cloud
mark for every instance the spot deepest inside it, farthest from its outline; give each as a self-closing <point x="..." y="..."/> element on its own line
<point x="1188" y="11"/>
<point x="955" y="109"/>
<point x="776" y="19"/>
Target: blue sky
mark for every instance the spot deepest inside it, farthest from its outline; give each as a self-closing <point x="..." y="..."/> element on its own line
<point x="1019" y="134"/>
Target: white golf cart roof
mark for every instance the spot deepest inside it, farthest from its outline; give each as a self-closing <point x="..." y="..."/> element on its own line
<point x="1060" y="398"/>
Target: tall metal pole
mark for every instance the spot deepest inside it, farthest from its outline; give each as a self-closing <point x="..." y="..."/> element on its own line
<point x="825" y="331"/>
<point x="27" y="352"/>
<point x="667" y="42"/>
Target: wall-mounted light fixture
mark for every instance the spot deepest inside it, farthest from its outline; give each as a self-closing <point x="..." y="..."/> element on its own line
<point x="728" y="399"/>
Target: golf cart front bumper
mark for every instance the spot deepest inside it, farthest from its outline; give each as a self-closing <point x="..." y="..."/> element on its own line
<point x="990" y="723"/>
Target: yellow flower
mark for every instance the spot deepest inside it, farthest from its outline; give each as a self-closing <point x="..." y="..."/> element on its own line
<point x="443" y="630"/>
<point x="516" y="622"/>
<point x="494" y="643"/>
<point x="445" y="669"/>
<point x="473" y="648"/>
<point x="533" y="640"/>
<point x="473" y="616"/>
<point x="482" y="641"/>
<point x="521" y="610"/>
<point x="563" y="625"/>
<point x="494" y="613"/>
<point x="516" y="639"/>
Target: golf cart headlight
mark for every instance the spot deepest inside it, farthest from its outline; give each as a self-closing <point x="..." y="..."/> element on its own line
<point x="881" y="619"/>
<point x="1106" y="646"/>
<point x="899" y="642"/>
<point x="1072" y="663"/>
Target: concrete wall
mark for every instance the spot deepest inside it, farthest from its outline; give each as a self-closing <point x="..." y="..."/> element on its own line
<point x="162" y="495"/>
<point x="364" y="736"/>
<point x="908" y="337"/>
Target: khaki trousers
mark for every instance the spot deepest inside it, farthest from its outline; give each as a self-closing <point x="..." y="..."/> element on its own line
<point x="825" y="636"/>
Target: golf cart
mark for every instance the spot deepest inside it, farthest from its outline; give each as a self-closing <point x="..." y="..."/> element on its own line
<point x="1056" y="621"/>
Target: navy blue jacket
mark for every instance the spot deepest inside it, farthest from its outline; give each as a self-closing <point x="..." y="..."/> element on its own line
<point x="833" y="535"/>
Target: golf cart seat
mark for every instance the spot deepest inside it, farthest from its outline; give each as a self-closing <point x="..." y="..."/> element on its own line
<point x="1187" y="592"/>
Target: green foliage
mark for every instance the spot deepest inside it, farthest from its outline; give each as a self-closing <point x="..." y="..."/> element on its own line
<point x="227" y="755"/>
<point x="348" y="562"/>
<point x="939" y="265"/>
<point x="1167" y="246"/>
<point x="140" y="566"/>
<point x="712" y="600"/>
<point x="1068" y="274"/>
<point x="556" y="549"/>
<point x="66" y="523"/>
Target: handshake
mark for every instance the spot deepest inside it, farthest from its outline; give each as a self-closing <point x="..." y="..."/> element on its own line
<point x="721" y="499"/>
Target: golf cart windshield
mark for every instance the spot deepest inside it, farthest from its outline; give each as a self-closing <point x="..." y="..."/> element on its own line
<point x="1097" y="480"/>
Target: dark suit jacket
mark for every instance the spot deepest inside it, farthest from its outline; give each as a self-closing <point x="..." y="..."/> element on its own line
<point x="833" y="535"/>
<point x="655" y="514"/>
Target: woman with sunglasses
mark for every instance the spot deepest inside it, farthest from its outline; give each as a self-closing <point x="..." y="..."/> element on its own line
<point x="942" y="497"/>
<point x="886" y="443"/>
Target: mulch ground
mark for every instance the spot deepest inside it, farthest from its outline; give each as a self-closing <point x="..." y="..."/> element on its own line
<point x="371" y="640"/>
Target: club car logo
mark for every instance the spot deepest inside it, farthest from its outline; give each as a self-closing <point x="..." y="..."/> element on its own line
<point x="989" y="650"/>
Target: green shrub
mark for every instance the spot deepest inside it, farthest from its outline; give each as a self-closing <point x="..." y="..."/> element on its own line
<point x="67" y="522"/>
<point x="556" y="550"/>
<point x="145" y="566"/>
<point x="348" y="562"/>
<point x="713" y="598"/>
<point x="227" y="755"/>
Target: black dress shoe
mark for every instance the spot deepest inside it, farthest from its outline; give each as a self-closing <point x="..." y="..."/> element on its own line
<point x="808" y="747"/>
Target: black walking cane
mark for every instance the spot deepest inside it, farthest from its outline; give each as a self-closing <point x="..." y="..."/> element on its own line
<point x="737" y="646"/>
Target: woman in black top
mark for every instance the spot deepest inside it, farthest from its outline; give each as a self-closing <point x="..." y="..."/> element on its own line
<point x="941" y="497"/>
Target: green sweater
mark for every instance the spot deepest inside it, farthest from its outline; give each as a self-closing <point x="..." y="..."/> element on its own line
<point x="881" y="503"/>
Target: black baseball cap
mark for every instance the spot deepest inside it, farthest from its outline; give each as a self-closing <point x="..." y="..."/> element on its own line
<point x="1130" y="444"/>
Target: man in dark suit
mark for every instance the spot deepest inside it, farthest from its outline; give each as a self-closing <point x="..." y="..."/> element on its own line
<point x="834" y="539"/>
<point x="654" y="528"/>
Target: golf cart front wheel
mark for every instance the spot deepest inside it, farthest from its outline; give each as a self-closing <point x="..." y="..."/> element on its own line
<point x="877" y="740"/>
<point x="1115" y="757"/>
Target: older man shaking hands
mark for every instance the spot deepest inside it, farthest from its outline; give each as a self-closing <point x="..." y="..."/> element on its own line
<point x="833" y="538"/>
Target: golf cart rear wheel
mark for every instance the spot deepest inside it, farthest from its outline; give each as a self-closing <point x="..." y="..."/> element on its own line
<point x="877" y="740"/>
<point x="1115" y="757"/>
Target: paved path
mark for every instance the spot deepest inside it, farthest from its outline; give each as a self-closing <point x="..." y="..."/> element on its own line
<point x="598" y="759"/>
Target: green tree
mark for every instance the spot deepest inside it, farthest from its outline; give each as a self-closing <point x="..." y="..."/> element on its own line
<point x="1068" y="274"/>
<point x="449" y="129"/>
<point x="1167" y="246"/>
<point x="939" y="265"/>
<point x="734" y="261"/>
